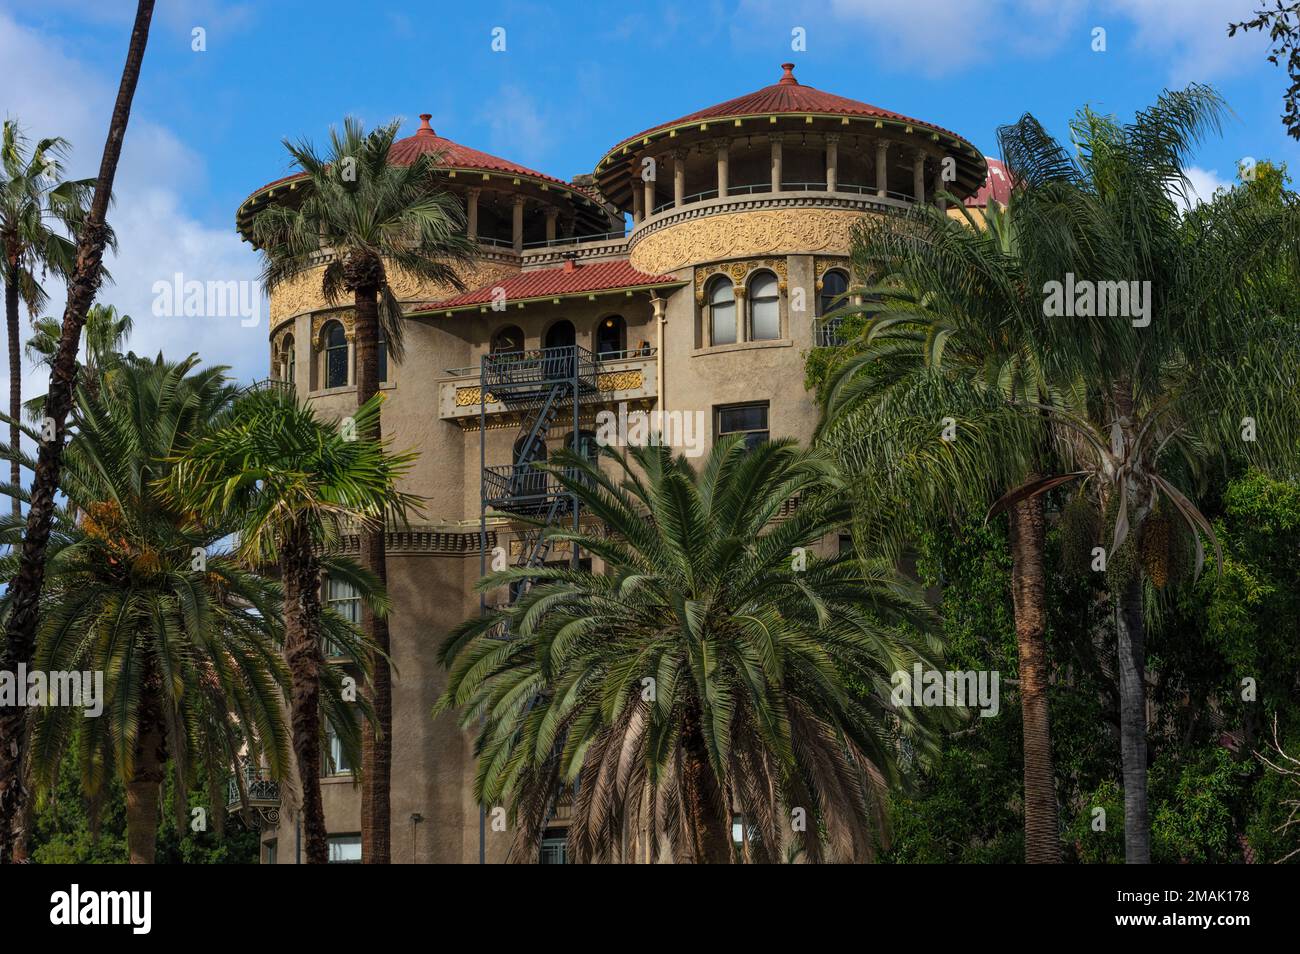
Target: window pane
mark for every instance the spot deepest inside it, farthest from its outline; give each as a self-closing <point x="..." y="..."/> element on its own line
<point x="344" y="849"/>
<point x="336" y="366"/>
<point x="724" y="324"/>
<point x="834" y="284"/>
<point x="747" y="417"/>
<point x="766" y="319"/>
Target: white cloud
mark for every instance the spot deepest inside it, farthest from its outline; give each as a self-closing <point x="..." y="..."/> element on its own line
<point x="1203" y="183"/>
<point x="157" y="236"/>
<point x="1192" y="35"/>
<point x="520" y="131"/>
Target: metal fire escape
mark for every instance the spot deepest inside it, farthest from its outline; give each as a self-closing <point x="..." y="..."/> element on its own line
<point x="541" y="386"/>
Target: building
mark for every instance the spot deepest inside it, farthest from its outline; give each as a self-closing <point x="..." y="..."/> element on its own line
<point x="690" y="274"/>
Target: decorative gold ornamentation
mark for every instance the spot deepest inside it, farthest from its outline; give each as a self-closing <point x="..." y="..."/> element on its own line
<point x="621" y="380"/>
<point x="824" y="263"/>
<point x="318" y="323"/>
<point x="739" y="273"/>
<point x="738" y="235"/>
<point x="468" y="397"/>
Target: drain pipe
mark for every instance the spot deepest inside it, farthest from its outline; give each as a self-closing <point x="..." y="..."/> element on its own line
<point x="660" y="306"/>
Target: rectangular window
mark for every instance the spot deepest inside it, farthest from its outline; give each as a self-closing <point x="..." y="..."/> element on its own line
<point x="554" y="850"/>
<point x="338" y="763"/>
<point x="342" y="597"/>
<point x="345" y="849"/>
<point x="748" y="420"/>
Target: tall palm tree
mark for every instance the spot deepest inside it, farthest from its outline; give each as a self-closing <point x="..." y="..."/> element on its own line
<point x="83" y="282"/>
<point x="921" y="407"/>
<point x="36" y="209"/>
<point x="294" y="483"/>
<point x="1208" y="368"/>
<point x="188" y="650"/>
<point x="361" y="214"/>
<point x="714" y="665"/>
<point x="105" y="335"/>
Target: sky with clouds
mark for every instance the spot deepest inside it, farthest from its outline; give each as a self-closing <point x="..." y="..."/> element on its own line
<point x="574" y="79"/>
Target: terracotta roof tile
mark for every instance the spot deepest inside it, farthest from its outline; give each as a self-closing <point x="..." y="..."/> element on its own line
<point x="563" y="280"/>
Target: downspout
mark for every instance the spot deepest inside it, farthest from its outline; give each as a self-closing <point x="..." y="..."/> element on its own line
<point x="660" y="306"/>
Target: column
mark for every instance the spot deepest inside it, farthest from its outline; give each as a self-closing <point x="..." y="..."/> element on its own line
<point x="882" y="168"/>
<point x="832" y="161"/>
<point x="471" y="213"/>
<point x="723" y="155"/>
<point x="650" y="191"/>
<point x="638" y="212"/>
<point x="679" y="177"/>
<point x="518" y="224"/>
<point x="918" y="176"/>
<point x="551" y="216"/>
<point x="939" y="186"/>
<point x="776" y="162"/>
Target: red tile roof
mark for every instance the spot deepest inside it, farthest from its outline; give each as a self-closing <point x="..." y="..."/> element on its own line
<point x="996" y="186"/>
<point x="561" y="281"/>
<point x="787" y="95"/>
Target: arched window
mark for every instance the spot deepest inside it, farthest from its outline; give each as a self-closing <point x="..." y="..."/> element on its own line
<point x="722" y="311"/>
<point x="833" y="297"/>
<point x="382" y="357"/>
<point x="336" y="356"/>
<point x="288" y="360"/>
<point x="509" y="338"/>
<point x="611" y="337"/>
<point x="764" y="308"/>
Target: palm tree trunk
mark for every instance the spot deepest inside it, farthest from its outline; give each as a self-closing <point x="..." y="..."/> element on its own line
<point x="376" y="738"/>
<point x="1029" y="597"/>
<point x="1130" y="658"/>
<point x="302" y="650"/>
<point x="708" y="815"/>
<point x="144" y="790"/>
<point x="25" y="589"/>
<point x="15" y="385"/>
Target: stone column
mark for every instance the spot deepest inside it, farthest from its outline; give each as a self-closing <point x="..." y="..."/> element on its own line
<point x="918" y="176"/>
<point x="832" y="161"/>
<point x="882" y="168"/>
<point x="518" y="224"/>
<point x="638" y="212"/>
<point x="650" y="192"/>
<point x="471" y="212"/>
<point x="939" y="186"/>
<point x="551" y="216"/>
<point x="776" y="162"/>
<point x="723" y="157"/>
<point x="679" y="177"/>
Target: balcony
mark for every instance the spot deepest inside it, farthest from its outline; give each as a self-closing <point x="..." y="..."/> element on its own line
<point x="263" y="795"/>
<point x="616" y="377"/>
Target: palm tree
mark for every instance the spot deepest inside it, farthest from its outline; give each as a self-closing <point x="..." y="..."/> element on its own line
<point x="25" y="587"/>
<point x="35" y="209"/>
<point x="714" y="665"/>
<point x="360" y="215"/>
<point x="188" y="650"/>
<point x="294" y="482"/>
<point x="105" y="336"/>
<point x="935" y="347"/>
<point x="1204" y="370"/>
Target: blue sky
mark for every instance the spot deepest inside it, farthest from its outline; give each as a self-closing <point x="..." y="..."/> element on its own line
<point x="574" y="79"/>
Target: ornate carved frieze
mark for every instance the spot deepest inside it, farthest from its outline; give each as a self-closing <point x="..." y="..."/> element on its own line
<point x="739" y="273"/>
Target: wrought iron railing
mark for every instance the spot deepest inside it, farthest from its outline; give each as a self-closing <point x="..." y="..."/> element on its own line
<point x="263" y="790"/>
<point x="828" y="332"/>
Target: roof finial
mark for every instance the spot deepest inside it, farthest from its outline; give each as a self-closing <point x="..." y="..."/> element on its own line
<point x="787" y="78"/>
<point x="425" y="129"/>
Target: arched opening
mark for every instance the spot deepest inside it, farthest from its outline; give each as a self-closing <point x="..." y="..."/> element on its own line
<point x="336" y="356"/>
<point x="611" y="337"/>
<point x="834" y="292"/>
<point x="561" y="335"/>
<point x="526" y="480"/>
<point x="764" y="307"/>
<point x="558" y="344"/>
<point x="288" y="360"/>
<point x="721" y="299"/>
<point x="509" y="338"/>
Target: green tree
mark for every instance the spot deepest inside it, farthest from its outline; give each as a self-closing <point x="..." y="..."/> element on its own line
<point x="37" y="209"/>
<point x="104" y="336"/>
<point x="1199" y="365"/>
<point x="142" y="593"/>
<point x="714" y="662"/>
<point x="293" y="485"/>
<point x="360" y="215"/>
<point x="920" y="411"/>
<point x="25" y="585"/>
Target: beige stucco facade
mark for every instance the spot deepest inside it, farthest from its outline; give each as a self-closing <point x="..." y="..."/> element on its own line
<point x="720" y="210"/>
